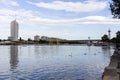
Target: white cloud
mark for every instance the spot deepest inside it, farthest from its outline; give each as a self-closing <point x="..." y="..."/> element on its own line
<point x="30" y="19"/>
<point x="86" y="6"/>
<point x="9" y="2"/>
<point x="30" y="22"/>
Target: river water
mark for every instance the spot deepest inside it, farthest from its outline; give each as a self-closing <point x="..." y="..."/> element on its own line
<point x="42" y="62"/>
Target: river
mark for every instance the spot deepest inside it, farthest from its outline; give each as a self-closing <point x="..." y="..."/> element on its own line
<point x="43" y="62"/>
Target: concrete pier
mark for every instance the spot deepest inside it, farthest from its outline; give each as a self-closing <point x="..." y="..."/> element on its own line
<point x="112" y="71"/>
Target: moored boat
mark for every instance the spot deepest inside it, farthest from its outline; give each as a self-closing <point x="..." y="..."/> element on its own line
<point x="102" y="44"/>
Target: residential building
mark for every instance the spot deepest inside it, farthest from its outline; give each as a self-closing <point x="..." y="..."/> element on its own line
<point x="36" y="38"/>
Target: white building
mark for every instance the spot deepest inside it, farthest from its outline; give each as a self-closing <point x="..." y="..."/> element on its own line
<point x="14" y="30"/>
<point x="37" y="38"/>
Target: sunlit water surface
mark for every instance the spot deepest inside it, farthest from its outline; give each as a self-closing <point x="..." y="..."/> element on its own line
<point x="35" y="62"/>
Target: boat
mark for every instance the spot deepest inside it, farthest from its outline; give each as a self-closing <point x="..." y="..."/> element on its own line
<point x="101" y="44"/>
<point x="89" y="43"/>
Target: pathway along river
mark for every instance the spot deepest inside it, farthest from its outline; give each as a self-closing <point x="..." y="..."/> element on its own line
<point x="66" y="62"/>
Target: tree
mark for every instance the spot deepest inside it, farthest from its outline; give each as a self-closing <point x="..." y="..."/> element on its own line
<point x="42" y="41"/>
<point x="118" y="37"/>
<point x="20" y="39"/>
<point x="113" y="40"/>
<point x="115" y="8"/>
<point x="105" y="38"/>
<point x="29" y="39"/>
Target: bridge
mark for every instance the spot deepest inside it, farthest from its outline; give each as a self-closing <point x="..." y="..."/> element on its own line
<point x="80" y="41"/>
<point x="77" y="41"/>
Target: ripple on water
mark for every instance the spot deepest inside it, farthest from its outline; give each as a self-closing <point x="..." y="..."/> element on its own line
<point x="53" y="63"/>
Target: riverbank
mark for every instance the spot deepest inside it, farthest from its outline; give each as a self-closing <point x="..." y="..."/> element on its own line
<point x="112" y="71"/>
<point x="37" y="42"/>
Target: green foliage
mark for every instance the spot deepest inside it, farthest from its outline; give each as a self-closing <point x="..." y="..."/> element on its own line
<point x="113" y="40"/>
<point x="105" y="38"/>
<point x="29" y="39"/>
<point x="20" y="39"/>
<point x="115" y="8"/>
<point x="43" y="41"/>
<point x="118" y="37"/>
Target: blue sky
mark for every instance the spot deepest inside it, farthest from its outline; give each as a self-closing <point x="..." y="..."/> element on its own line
<point x="68" y="19"/>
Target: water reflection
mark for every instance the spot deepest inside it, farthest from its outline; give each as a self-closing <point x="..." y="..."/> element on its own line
<point x="106" y="51"/>
<point x="55" y="62"/>
<point x="13" y="56"/>
<point x="37" y="50"/>
<point x="89" y="49"/>
<point x="47" y="50"/>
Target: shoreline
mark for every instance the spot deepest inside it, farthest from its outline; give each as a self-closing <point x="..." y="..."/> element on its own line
<point x="112" y="71"/>
<point x="36" y="43"/>
<point x="44" y="44"/>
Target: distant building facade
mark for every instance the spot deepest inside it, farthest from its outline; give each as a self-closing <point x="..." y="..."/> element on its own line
<point x="50" y="38"/>
<point x="14" y="28"/>
<point x="45" y="38"/>
<point x="36" y="38"/>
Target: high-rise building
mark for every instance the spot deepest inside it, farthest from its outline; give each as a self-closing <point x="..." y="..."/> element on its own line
<point x="14" y="30"/>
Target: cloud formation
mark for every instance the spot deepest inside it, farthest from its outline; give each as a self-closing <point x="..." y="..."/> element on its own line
<point x="30" y="18"/>
<point x="71" y="20"/>
<point x="86" y="6"/>
<point x="9" y="2"/>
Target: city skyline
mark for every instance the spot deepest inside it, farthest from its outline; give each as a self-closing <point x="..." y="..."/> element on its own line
<point x="71" y="19"/>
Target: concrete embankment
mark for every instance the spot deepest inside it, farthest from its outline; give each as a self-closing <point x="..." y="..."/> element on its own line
<point x="112" y="71"/>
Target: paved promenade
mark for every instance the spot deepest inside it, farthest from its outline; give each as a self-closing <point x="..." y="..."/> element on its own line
<point x="112" y="71"/>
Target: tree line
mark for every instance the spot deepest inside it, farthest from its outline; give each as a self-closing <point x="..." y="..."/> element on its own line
<point x="115" y="40"/>
<point x="115" y="11"/>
